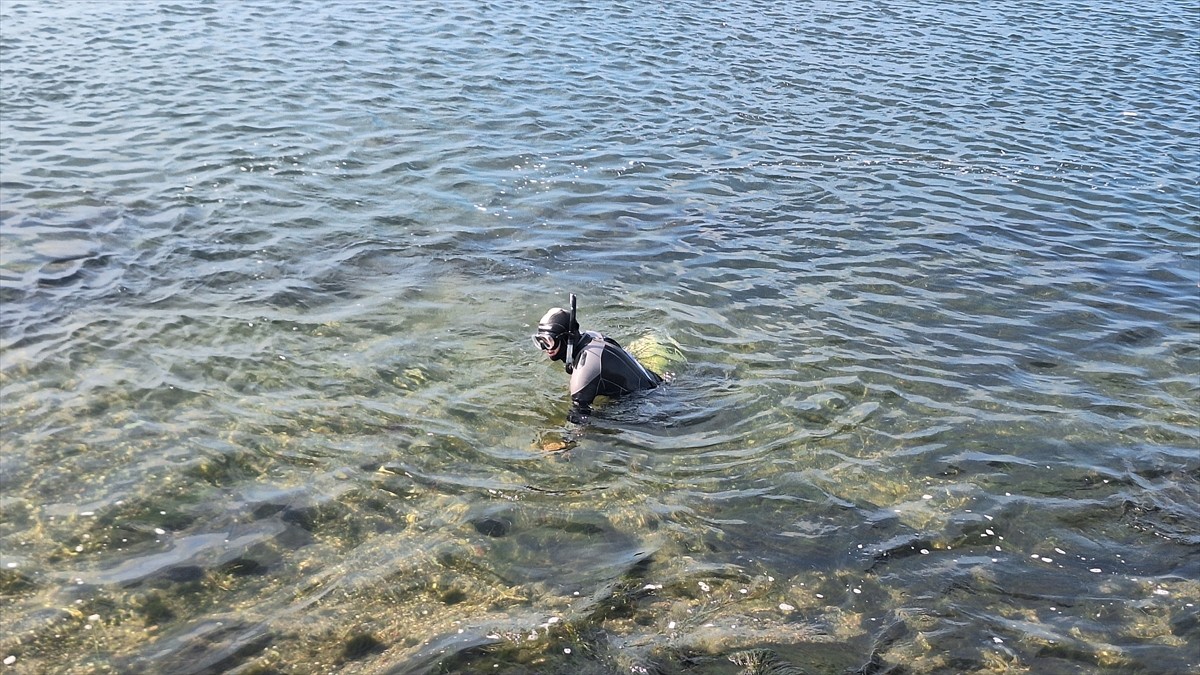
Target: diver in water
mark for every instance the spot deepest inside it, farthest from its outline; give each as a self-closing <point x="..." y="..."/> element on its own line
<point x="598" y="365"/>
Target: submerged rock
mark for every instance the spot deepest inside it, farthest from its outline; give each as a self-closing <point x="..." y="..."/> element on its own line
<point x="360" y="646"/>
<point x="763" y="662"/>
<point x="493" y="527"/>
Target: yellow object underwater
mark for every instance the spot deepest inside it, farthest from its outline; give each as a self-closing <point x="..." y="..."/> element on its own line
<point x="658" y="353"/>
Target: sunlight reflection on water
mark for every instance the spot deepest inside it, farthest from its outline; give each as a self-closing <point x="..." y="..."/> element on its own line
<point x="268" y="276"/>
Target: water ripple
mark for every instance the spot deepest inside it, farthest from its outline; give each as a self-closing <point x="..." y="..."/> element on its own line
<point x="267" y="273"/>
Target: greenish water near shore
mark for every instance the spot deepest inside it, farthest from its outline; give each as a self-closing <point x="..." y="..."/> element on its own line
<point x="268" y="273"/>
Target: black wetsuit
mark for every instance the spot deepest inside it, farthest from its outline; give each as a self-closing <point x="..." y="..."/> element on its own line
<point x="602" y="367"/>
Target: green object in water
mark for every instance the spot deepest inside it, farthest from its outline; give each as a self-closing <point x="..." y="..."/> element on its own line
<point x="658" y="353"/>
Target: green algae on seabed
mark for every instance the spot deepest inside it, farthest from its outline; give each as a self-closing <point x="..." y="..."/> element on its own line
<point x="659" y="353"/>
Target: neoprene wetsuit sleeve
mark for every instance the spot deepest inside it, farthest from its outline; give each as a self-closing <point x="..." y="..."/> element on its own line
<point x="585" y="384"/>
<point x="581" y="406"/>
<point x="581" y="401"/>
<point x="579" y="414"/>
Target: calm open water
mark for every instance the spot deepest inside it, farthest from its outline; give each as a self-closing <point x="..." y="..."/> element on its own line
<point x="269" y="271"/>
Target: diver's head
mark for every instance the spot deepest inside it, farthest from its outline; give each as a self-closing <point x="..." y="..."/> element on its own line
<point x="553" y="331"/>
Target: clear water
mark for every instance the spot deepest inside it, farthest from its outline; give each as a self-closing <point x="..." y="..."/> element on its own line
<point x="268" y="272"/>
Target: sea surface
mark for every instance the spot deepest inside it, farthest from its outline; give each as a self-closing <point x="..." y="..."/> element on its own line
<point x="268" y="272"/>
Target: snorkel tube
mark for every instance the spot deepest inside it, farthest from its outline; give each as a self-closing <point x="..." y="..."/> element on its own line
<point x="569" y="365"/>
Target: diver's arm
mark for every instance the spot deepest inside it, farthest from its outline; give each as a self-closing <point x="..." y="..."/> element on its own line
<point x="577" y="419"/>
<point x="578" y="415"/>
<point x="585" y="386"/>
<point x="572" y="431"/>
<point x="581" y="402"/>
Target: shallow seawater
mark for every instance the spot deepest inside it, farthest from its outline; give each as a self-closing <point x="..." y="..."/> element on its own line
<point x="268" y="273"/>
